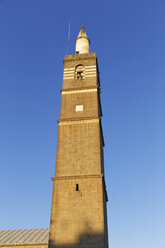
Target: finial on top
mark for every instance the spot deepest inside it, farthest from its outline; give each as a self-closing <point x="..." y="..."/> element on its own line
<point x="82" y="42"/>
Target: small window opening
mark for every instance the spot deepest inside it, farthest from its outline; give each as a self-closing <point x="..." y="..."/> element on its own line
<point x="79" y="72"/>
<point x="77" y="187"/>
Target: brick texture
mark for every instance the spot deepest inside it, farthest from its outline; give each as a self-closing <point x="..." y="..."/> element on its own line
<point x="78" y="215"/>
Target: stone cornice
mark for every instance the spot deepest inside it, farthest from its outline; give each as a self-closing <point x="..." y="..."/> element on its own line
<point x="75" y="57"/>
<point x="77" y="177"/>
<point x="80" y="88"/>
<point x="79" y="119"/>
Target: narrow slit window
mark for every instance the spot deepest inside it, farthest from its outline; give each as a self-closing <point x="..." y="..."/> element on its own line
<point x="77" y="187"/>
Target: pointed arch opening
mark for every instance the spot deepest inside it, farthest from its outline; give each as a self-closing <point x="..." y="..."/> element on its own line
<point x="79" y="72"/>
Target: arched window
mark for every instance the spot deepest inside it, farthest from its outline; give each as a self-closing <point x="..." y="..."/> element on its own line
<point x="79" y="72"/>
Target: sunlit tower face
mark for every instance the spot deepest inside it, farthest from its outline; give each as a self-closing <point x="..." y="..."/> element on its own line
<point x="79" y="215"/>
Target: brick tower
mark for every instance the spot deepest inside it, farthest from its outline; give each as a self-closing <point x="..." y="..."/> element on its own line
<point x="78" y="214"/>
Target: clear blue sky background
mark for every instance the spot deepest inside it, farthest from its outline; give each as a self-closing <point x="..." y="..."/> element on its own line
<point x="129" y="39"/>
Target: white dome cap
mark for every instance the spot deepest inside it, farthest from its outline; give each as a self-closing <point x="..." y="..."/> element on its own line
<point x="82" y="42"/>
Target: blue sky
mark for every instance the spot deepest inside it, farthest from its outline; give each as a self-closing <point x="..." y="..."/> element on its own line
<point x="128" y="37"/>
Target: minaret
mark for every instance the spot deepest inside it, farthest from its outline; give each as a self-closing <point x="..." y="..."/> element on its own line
<point x="82" y="42"/>
<point x="78" y="214"/>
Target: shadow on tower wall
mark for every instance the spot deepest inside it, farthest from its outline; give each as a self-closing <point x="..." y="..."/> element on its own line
<point x="86" y="240"/>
